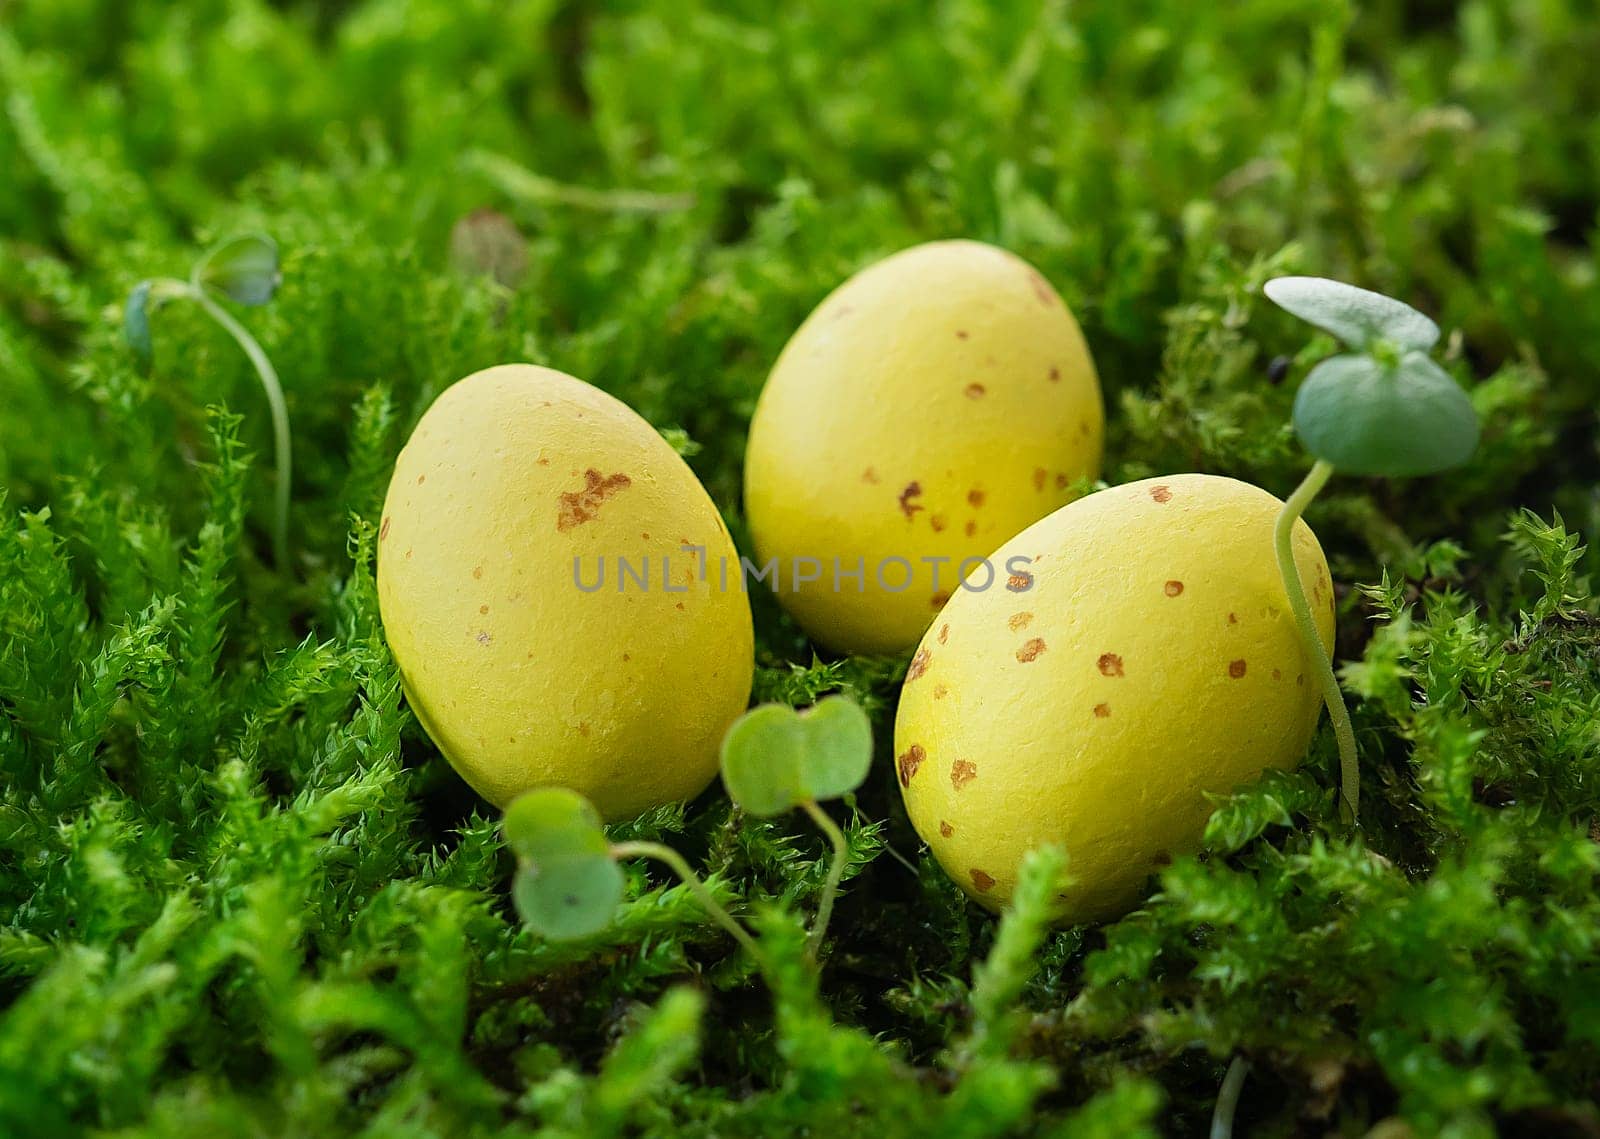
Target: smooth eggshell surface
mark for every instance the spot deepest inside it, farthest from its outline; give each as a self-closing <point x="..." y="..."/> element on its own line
<point x="932" y="406"/>
<point x="1144" y="657"/>
<point x="522" y="678"/>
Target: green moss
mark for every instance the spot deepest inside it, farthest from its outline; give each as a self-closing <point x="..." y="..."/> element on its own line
<point x="241" y="894"/>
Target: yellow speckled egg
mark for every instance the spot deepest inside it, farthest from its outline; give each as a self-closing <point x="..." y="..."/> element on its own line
<point x="931" y="407"/>
<point x="1140" y="654"/>
<point x="550" y="626"/>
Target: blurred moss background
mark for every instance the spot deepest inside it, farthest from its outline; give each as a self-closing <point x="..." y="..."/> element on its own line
<point x="240" y="894"/>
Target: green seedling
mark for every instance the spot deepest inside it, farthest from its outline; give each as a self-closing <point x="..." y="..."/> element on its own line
<point x="568" y="884"/>
<point x="245" y="270"/>
<point x="775" y="759"/>
<point x="1384" y="408"/>
<point x="1228" y="1098"/>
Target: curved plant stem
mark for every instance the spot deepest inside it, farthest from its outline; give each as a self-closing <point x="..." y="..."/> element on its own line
<point x="1228" y="1098"/>
<point x="830" y="889"/>
<point x="280" y="417"/>
<point x="692" y="880"/>
<point x="1349" y="773"/>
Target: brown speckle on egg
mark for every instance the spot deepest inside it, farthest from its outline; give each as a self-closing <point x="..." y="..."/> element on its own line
<point x="907" y="762"/>
<point x="579" y="506"/>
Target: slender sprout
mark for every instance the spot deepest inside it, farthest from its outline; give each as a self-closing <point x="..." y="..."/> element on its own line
<point x="568" y="884"/>
<point x="245" y="269"/>
<point x="775" y="759"/>
<point x="530" y="188"/>
<point x="1385" y="409"/>
<point x="1311" y="641"/>
<point x="281" y="444"/>
<point x="1228" y="1098"/>
<point x="830" y="889"/>
<point x="682" y="869"/>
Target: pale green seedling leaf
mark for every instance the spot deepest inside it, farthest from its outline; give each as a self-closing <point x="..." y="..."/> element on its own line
<point x="1368" y="418"/>
<point x="1359" y="317"/>
<point x="567" y="884"/>
<point x="243" y="268"/>
<point x="838" y="747"/>
<point x="774" y="758"/>
<point x="762" y="759"/>
<point x="553" y="822"/>
<point x="568" y="898"/>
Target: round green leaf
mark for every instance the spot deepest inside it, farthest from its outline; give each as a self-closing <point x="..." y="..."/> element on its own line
<point x="1368" y="419"/>
<point x="1359" y="317"/>
<point x="774" y="758"/>
<point x="243" y="268"/>
<point x="838" y="747"/>
<point x="568" y="898"/>
<point x="553" y="822"/>
<point x="762" y="760"/>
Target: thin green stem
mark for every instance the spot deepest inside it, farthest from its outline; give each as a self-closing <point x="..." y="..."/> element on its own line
<point x="1349" y="772"/>
<point x="280" y="417"/>
<point x="1228" y="1098"/>
<point x="830" y="889"/>
<point x="692" y="880"/>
